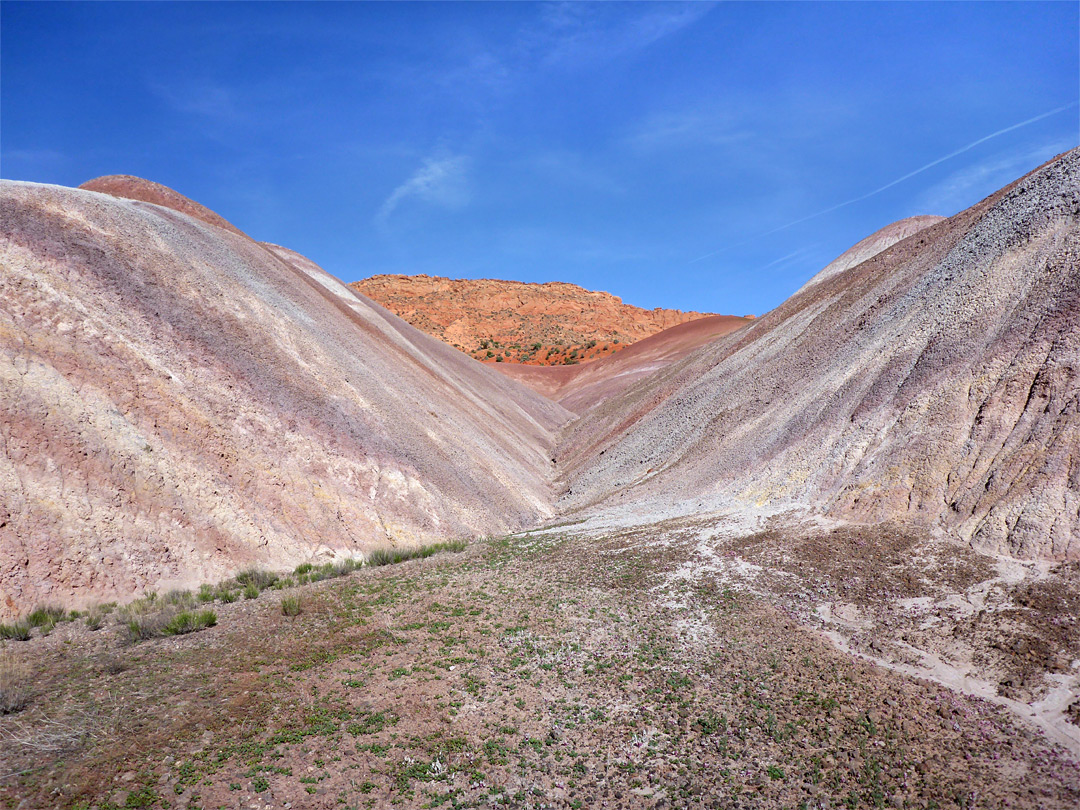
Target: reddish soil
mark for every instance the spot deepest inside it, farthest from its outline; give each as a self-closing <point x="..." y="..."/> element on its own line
<point x="510" y="321"/>
<point x="580" y="387"/>
<point x="136" y="188"/>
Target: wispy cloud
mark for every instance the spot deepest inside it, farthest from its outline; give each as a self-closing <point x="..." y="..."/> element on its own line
<point x="579" y="34"/>
<point x="972" y="183"/>
<point x="34" y="159"/>
<point x="205" y="99"/>
<point x="897" y="181"/>
<point x="790" y="258"/>
<point x="687" y="128"/>
<point x="568" y="37"/>
<point x="441" y="182"/>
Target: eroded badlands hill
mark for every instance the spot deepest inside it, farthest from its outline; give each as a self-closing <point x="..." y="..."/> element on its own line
<point x="939" y="382"/>
<point x="178" y="401"/>
<point x="535" y="324"/>
<point x="580" y="387"/>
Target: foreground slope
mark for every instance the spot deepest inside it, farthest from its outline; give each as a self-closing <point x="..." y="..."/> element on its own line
<point x="544" y="671"/>
<point x="536" y="324"/>
<point x="580" y="387"/>
<point x="178" y="401"/>
<point x="937" y="381"/>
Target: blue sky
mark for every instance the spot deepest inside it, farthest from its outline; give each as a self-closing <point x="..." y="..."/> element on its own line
<point x="659" y="152"/>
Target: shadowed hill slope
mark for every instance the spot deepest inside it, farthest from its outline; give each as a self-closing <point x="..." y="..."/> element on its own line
<point x="580" y="387"/>
<point x="938" y="381"/>
<point x="178" y="401"/>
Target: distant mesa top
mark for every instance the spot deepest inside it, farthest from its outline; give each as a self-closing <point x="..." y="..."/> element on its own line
<point x="136" y="188"/>
<point x="550" y="324"/>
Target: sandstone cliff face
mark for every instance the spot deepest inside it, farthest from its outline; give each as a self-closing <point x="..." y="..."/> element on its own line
<point x="938" y="381"/>
<point x="535" y="324"/>
<point x="178" y="401"/>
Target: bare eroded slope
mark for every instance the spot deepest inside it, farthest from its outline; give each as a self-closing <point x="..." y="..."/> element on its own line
<point x="938" y="381"/>
<point x="178" y="401"/>
<point x="580" y="387"/>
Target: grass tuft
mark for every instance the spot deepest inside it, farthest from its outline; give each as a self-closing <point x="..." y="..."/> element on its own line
<point x="17" y="631"/>
<point x="46" y="616"/>
<point x="189" y="622"/>
<point x="390" y="556"/>
<point x="258" y="577"/>
<point x="14" y="686"/>
<point x="179" y="598"/>
<point x="290" y="605"/>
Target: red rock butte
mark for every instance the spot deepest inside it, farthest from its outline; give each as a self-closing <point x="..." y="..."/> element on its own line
<point x="548" y="324"/>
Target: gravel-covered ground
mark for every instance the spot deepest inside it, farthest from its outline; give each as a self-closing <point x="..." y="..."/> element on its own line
<point x="545" y="670"/>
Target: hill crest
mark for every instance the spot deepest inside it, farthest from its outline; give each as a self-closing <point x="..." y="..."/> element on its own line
<point x="540" y="324"/>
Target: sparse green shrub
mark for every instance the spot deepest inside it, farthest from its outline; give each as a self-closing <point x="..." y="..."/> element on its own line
<point x="290" y="605"/>
<point x="303" y="568"/>
<point x="382" y="556"/>
<point x="44" y="615"/>
<point x="390" y="556"/>
<point x="179" y="598"/>
<point x="146" y="625"/>
<point x="139" y="607"/>
<point x="17" y="631"/>
<point x="251" y="591"/>
<point x="226" y="595"/>
<point x="94" y="620"/>
<point x="331" y="570"/>
<point x="258" y="577"/>
<point x="189" y="622"/>
<point x="206" y="593"/>
<point x="14" y="685"/>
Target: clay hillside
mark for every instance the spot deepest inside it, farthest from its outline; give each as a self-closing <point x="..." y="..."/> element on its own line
<point x="938" y="381"/>
<point x="533" y="324"/>
<point x="180" y="401"/>
<point x="264" y="543"/>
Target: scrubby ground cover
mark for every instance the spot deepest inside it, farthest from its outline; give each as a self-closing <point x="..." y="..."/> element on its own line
<point x="536" y="671"/>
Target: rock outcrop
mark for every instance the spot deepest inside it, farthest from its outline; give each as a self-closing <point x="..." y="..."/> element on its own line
<point x="178" y="401"/>
<point x="937" y="382"/>
<point x="534" y="324"/>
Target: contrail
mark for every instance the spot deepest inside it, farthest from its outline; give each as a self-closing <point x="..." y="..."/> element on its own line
<point x="907" y="176"/>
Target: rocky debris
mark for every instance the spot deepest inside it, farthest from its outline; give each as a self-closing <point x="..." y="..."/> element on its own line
<point x="547" y="324"/>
